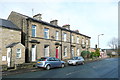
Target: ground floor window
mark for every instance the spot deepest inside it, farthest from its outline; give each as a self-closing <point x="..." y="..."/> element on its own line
<point x="78" y="52"/>
<point x="18" y="53"/>
<point x="72" y="52"/>
<point x="46" y="50"/>
<point x="65" y="51"/>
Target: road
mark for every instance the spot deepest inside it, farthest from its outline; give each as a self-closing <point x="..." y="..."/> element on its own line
<point x="107" y="68"/>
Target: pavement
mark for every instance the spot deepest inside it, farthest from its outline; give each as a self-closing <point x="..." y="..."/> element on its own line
<point x="34" y="69"/>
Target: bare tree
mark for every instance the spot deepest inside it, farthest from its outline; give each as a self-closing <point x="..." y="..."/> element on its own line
<point x="113" y="43"/>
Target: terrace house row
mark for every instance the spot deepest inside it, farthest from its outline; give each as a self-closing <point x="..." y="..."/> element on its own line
<point x="48" y="39"/>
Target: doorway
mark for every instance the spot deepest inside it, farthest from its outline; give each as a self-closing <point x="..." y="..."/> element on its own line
<point x="33" y="52"/>
<point x="9" y="57"/>
<point x="57" y="52"/>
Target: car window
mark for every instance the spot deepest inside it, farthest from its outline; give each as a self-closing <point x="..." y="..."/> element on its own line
<point x="42" y="59"/>
<point x="57" y="59"/>
<point x="75" y="58"/>
<point x="51" y="59"/>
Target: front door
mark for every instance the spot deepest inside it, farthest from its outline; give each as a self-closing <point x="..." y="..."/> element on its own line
<point x="8" y="56"/>
<point x="57" y="53"/>
<point x="33" y="52"/>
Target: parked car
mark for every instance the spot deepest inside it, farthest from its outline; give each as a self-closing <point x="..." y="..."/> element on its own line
<point x="49" y="62"/>
<point x="76" y="61"/>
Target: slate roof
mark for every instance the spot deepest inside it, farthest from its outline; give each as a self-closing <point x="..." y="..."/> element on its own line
<point x="49" y="24"/>
<point x="8" y="24"/>
<point x="12" y="45"/>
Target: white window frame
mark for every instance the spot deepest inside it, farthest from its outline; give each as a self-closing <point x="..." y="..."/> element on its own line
<point x="72" y="39"/>
<point x="18" y="54"/>
<point x="35" y="30"/>
<point x="57" y="35"/>
<point x="46" y="32"/>
<point x="78" y="52"/>
<point x="83" y="42"/>
<point x="87" y="42"/>
<point x="78" y="39"/>
<point x="65" y="51"/>
<point x="48" y="48"/>
<point x="65" y="37"/>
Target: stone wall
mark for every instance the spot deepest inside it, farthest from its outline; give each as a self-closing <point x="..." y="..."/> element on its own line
<point x="9" y="36"/>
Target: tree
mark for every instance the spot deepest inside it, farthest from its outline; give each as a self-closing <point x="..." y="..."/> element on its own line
<point x="113" y="43"/>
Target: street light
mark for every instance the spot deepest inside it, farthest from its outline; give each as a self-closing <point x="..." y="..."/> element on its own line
<point x="98" y="39"/>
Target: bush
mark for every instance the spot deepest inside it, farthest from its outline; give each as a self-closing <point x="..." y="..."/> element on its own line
<point x="92" y="55"/>
<point x="85" y="54"/>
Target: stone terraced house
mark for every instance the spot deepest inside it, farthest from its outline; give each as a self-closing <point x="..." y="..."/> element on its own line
<point x="11" y="50"/>
<point x="41" y="38"/>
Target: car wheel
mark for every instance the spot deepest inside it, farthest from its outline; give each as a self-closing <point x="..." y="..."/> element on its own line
<point x="48" y="67"/>
<point x="63" y="65"/>
<point x="82" y="63"/>
<point x="76" y="64"/>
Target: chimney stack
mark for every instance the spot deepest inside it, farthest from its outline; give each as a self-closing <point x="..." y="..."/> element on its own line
<point x="54" y="22"/>
<point x="67" y="26"/>
<point x="38" y="16"/>
<point x="77" y="31"/>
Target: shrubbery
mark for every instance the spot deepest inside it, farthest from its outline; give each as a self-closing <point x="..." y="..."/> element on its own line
<point x="87" y="54"/>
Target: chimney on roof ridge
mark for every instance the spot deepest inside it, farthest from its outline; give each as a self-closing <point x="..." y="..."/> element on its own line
<point x="77" y="31"/>
<point x="54" y="22"/>
<point x="66" y="26"/>
<point x="38" y="16"/>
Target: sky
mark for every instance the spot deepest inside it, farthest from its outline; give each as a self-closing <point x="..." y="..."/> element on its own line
<point x="90" y="17"/>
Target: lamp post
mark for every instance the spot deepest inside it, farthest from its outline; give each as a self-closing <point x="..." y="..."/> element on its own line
<point x="98" y="39"/>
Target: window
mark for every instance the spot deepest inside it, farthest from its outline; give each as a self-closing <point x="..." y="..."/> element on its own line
<point x="46" y="33"/>
<point x="65" y="51"/>
<point x="57" y="34"/>
<point x="33" y="30"/>
<point x="78" y="52"/>
<point x="65" y="37"/>
<point x="86" y="42"/>
<point x="83" y="41"/>
<point x="46" y="51"/>
<point x="72" y="52"/>
<point x="72" y="39"/>
<point x="18" y="53"/>
<point x="77" y="39"/>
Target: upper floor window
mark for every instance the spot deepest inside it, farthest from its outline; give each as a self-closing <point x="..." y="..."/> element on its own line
<point x="57" y="35"/>
<point x="33" y="30"/>
<point x="72" y="39"/>
<point x="77" y="39"/>
<point x="18" y="53"/>
<point x="65" y="37"/>
<point x="86" y="42"/>
<point x="83" y="42"/>
<point x="46" y="33"/>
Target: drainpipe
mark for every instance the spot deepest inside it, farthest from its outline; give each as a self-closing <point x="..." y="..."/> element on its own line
<point x="70" y="45"/>
<point x="61" y="44"/>
<point x="27" y="41"/>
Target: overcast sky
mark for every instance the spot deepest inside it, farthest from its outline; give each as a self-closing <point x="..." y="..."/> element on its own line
<point x="90" y="17"/>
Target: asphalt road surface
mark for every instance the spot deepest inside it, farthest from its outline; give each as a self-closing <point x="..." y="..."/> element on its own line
<point x="107" y="68"/>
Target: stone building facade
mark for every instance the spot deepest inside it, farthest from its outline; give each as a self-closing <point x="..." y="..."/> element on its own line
<point x="48" y="39"/>
<point x="10" y="43"/>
